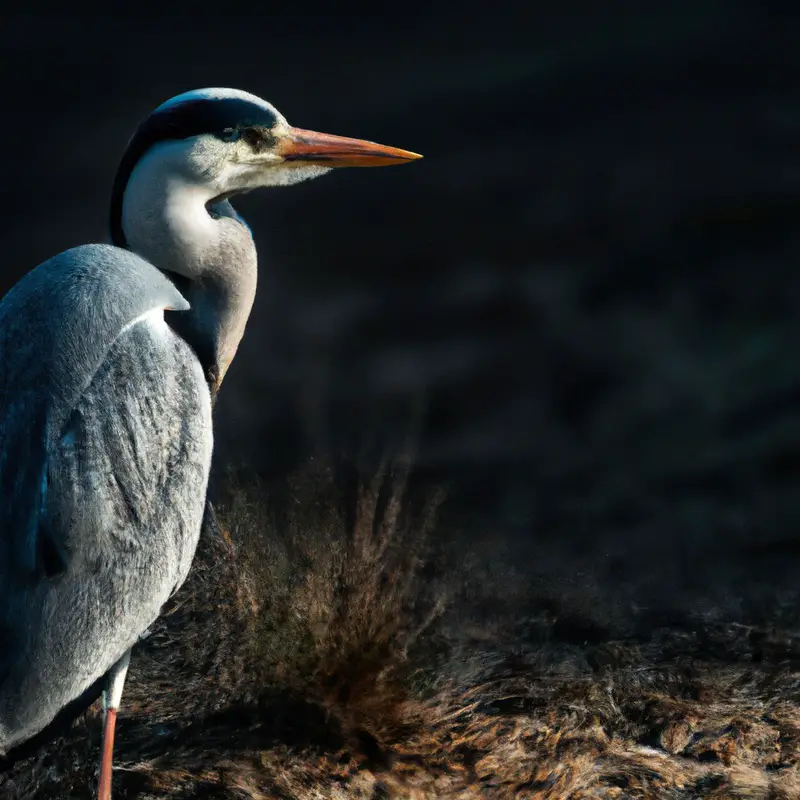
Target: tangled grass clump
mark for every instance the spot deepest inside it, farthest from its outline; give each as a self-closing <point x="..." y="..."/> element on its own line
<point x="335" y="603"/>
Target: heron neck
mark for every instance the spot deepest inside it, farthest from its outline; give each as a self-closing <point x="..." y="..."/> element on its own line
<point x="208" y="251"/>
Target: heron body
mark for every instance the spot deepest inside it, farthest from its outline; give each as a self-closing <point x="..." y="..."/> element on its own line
<point x="106" y="446"/>
<point x="110" y="357"/>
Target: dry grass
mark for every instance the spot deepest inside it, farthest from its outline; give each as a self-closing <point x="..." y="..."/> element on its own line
<point x="322" y="649"/>
<point x="335" y="600"/>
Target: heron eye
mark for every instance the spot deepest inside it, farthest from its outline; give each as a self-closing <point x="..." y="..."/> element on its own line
<point x="254" y="138"/>
<point x="230" y="134"/>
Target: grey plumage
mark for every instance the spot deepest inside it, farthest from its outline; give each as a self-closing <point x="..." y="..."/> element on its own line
<point x="105" y="444"/>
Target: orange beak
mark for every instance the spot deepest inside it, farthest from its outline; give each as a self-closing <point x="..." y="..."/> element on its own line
<point x="310" y="147"/>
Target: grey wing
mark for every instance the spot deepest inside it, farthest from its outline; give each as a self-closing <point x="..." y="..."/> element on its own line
<point x="56" y="327"/>
<point x="118" y="507"/>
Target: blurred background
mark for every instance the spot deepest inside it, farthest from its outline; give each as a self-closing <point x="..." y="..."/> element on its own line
<point x="582" y="305"/>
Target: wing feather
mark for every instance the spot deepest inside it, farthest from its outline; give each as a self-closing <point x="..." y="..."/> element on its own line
<point x="56" y="326"/>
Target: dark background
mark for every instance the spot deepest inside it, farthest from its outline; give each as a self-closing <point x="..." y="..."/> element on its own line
<point x="583" y="302"/>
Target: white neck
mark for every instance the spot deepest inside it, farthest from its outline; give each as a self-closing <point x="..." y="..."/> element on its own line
<point x="167" y="220"/>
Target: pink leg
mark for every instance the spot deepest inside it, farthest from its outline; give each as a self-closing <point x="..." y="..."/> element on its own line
<point x="111" y="700"/>
<point x="104" y="786"/>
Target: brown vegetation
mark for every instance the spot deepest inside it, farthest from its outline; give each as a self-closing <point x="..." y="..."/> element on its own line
<point x="325" y="651"/>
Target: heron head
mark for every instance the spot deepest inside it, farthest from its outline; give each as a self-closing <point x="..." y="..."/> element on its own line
<point x="227" y="141"/>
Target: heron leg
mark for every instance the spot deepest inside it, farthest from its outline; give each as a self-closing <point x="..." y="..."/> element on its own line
<point x="112" y="695"/>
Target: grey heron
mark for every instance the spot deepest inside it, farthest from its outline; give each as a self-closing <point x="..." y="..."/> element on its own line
<point x="110" y="358"/>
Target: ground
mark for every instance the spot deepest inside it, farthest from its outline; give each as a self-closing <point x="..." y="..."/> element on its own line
<point x="343" y="645"/>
